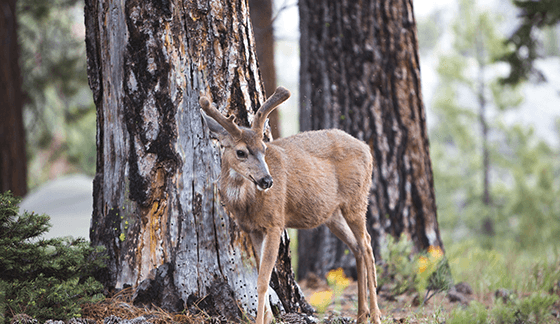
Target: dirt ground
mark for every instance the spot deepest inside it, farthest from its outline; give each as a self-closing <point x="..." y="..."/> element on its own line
<point x="401" y="309"/>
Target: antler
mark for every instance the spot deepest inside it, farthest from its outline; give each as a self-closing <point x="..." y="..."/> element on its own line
<point x="227" y="123"/>
<point x="279" y="96"/>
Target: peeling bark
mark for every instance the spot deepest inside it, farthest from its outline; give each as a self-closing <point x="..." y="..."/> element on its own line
<point x="156" y="204"/>
<point x="360" y="73"/>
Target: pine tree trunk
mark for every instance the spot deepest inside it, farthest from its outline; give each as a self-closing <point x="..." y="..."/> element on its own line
<point x="13" y="159"/>
<point x="156" y="204"/>
<point x="261" y="17"/>
<point x="360" y="73"/>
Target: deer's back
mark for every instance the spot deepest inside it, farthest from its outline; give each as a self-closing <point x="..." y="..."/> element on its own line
<point x="325" y="170"/>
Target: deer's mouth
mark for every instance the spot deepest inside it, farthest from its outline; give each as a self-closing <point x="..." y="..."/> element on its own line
<point x="259" y="187"/>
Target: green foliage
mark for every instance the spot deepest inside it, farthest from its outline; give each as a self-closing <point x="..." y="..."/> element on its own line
<point x="476" y="313"/>
<point x="523" y="212"/>
<point x="399" y="266"/>
<point x="59" y="113"/>
<point x="524" y="43"/>
<point x="46" y="279"/>
<point x="488" y="270"/>
<point x="535" y="308"/>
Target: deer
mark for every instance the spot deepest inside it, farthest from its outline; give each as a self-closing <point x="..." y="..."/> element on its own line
<point x="302" y="181"/>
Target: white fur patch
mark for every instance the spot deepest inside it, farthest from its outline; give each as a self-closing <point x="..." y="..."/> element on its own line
<point x="234" y="175"/>
<point x="235" y="193"/>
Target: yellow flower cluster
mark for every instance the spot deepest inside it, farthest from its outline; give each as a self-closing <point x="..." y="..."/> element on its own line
<point x="434" y="255"/>
<point x="337" y="280"/>
<point x="321" y="300"/>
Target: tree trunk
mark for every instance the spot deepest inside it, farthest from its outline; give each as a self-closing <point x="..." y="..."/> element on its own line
<point x="156" y="204"/>
<point x="261" y="17"/>
<point x="13" y="159"/>
<point x="360" y="73"/>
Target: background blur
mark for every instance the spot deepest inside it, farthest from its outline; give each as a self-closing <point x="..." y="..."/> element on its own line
<point x="517" y="206"/>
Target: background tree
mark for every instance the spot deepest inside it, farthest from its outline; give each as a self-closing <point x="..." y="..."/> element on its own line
<point x="13" y="159"/>
<point x="360" y="72"/>
<point x="481" y="196"/>
<point x="156" y="206"/>
<point x="527" y="48"/>
<point x="261" y="18"/>
<point x="59" y="114"/>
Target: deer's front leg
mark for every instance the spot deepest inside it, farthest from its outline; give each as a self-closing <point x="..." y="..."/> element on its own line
<point x="268" y="255"/>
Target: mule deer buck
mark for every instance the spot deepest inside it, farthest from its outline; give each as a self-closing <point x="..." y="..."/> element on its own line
<point x="302" y="181"/>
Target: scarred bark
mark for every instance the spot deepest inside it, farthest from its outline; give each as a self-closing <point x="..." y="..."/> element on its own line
<point x="360" y="73"/>
<point x="156" y="205"/>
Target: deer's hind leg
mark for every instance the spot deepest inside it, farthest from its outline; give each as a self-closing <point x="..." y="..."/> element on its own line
<point x="357" y="225"/>
<point x="339" y="226"/>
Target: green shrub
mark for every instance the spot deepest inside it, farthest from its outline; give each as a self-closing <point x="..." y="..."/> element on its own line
<point x="399" y="267"/>
<point x="45" y="279"/>
<point x="536" y="308"/>
<point x="476" y="313"/>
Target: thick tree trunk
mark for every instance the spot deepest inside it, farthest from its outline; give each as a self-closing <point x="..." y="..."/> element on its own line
<point x="360" y="73"/>
<point x="156" y="205"/>
<point x="261" y="17"/>
<point x="13" y="159"/>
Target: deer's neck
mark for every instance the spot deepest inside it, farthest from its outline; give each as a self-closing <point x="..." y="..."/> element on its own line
<point x="239" y="196"/>
<point x="236" y="191"/>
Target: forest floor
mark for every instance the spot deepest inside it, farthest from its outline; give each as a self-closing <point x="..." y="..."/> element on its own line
<point x="403" y="308"/>
<point x="394" y="309"/>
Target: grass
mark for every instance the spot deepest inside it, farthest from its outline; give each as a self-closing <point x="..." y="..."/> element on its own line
<point x="508" y="287"/>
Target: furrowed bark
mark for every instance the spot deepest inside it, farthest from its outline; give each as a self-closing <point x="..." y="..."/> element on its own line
<point x="360" y="73"/>
<point x="156" y="204"/>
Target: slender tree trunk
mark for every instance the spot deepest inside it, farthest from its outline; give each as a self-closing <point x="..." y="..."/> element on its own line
<point x="261" y="17"/>
<point x="156" y="204"/>
<point x="13" y="159"/>
<point x="360" y="73"/>
<point x="487" y="222"/>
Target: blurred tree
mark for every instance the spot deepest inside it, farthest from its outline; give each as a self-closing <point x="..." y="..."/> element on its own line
<point x="471" y="145"/>
<point x="261" y="18"/>
<point x="466" y="71"/>
<point x="156" y="205"/>
<point x="13" y="160"/>
<point x="535" y="14"/>
<point x="360" y="73"/>
<point x="429" y="31"/>
<point x="58" y="110"/>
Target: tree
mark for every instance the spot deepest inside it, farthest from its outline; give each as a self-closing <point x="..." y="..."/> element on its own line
<point x="59" y="113"/>
<point x="156" y="205"/>
<point x="261" y="18"/>
<point x="534" y="15"/>
<point x="468" y="107"/>
<point x="13" y="159"/>
<point x="360" y="72"/>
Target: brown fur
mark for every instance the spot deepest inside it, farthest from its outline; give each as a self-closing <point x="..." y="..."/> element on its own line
<point x="319" y="177"/>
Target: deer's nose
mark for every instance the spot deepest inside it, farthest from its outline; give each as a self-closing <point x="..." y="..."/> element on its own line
<point x="265" y="182"/>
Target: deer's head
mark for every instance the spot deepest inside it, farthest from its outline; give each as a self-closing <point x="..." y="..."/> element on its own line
<point x="244" y="150"/>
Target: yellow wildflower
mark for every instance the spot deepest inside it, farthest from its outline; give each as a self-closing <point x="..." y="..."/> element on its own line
<point x="321" y="300"/>
<point x="337" y="279"/>
<point x="435" y="252"/>
<point x="422" y="264"/>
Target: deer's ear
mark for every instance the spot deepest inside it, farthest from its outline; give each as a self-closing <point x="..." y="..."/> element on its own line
<point x="216" y="130"/>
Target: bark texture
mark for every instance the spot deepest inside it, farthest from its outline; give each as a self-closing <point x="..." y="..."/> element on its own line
<point x="13" y="159"/>
<point x="156" y="204"/>
<point x="360" y="73"/>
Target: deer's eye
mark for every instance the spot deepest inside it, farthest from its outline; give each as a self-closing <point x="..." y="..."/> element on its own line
<point x="241" y="154"/>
